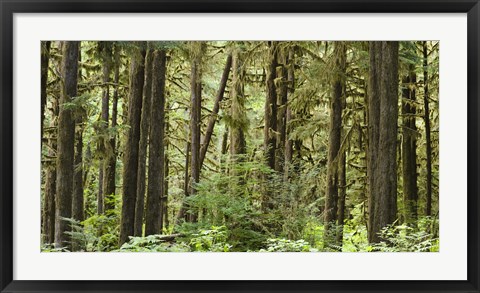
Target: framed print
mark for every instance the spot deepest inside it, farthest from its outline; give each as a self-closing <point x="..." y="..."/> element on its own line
<point x="239" y="146"/>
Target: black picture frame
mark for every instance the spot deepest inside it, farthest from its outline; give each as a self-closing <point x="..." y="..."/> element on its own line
<point x="7" y="149"/>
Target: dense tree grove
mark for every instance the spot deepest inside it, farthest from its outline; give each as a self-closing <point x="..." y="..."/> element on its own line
<point x="240" y="146"/>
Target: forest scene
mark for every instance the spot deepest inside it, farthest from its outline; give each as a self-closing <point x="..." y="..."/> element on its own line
<point x="240" y="146"/>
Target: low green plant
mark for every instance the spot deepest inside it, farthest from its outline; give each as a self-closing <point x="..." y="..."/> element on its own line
<point x="152" y="243"/>
<point x="285" y="245"/>
<point x="213" y="240"/>
<point x="404" y="238"/>
<point x="50" y="247"/>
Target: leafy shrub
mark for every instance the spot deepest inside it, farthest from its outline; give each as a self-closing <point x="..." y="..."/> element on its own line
<point x="355" y="237"/>
<point x="313" y="233"/>
<point x="255" y="203"/>
<point x="96" y="233"/>
<point x="403" y="238"/>
<point x="214" y="240"/>
<point x="50" y="247"/>
<point x="285" y="245"/>
<point x="152" y="243"/>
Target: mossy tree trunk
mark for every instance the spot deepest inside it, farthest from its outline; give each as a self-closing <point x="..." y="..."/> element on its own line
<point x="426" y="117"/>
<point x="270" y="127"/>
<point x="110" y="166"/>
<point x="45" y="57"/>
<point x="216" y="108"/>
<point x="105" y="52"/>
<point x="409" y="146"/>
<point x="130" y="157"/>
<point x="382" y="134"/>
<point x="335" y="157"/>
<point x="147" y="108"/>
<point x="65" y="145"/>
<point x="156" y="158"/>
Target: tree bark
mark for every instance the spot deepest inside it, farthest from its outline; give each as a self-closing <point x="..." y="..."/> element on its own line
<point x="382" y="126"/>
<point x="237" y="109"/>
<point x="216" y="108"/>
<point x="223" y="151"/>
<point x="48" y="210"/>
<point x="130" y="170"/>
<point x="45" y="56"/>
<point x="334" y="155"/>
<point x="426" y="117"/>
<point x="271" y="107"/>
<point x="106" y="55"/>
<point x="195" y="122"/>
<point x="342" y="193"/>
<point x="65" y="145"/>
<point x="77" y="204"/>
<point x="182" y="212"/>
<point x="156" y="158"/>
<point x="164" y="201"/>
<point x="110" y="166"/>
<point x="48" y="223"/>
<point x="409" y="146"/>
<point x="78" y="209"/>
<point x="289" y="116"/>
<point x="100" y="199"/>
<point x="147" y="108"/>
<point x="282" y="98"/>
<point x="270" y="128"/>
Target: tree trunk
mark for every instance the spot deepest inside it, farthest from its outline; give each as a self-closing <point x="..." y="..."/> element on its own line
<point x="78" y="209"/>
<point x="182" y="212"/>
<point x="426" y="117"/>
<point x="271" y="107"/>
<point x="342" y="192"/>
<point x="77" y="205"/>
<point x="106" y="54"/>
<point x="335" y="135"/>
<point x="130" y="170"/>
<point x="223" y="151"/>
<point x="100" y="199"/>
<point x="195" y="122"/>
<point x="164" y="201"/>
<point x="156" y="163"/>
<point x="65" y="145"/>
<point x="147" y="108"/>
<point x="45" y="56"/>
<point x="270" y="128"/>
<point x="288" y="113"/>
<point x="48" y="223"/>
<point x="216" y="108"/>
<point x="282" y="97"/>
<point x="237" y="109"/>
<point x="110" y="166"/>
<point x="48" y="210"/>
<point x="409" y="146"/>
<point x="382" y="127"/>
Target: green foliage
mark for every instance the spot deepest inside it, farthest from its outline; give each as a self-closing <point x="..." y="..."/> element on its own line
<point x="213" y="240"/>
<point x="152" y="243"/>
<point x="102" y="232"/>
<point x="241" y="204"/>
<point x="50" y="247"/>
<point x="234" y="200"/>
<point x="354" y="237"/>
<point x="285" y="245"/>
<point x="96" y="233"/>
<point x="403" y="238"/>
<point x="313" y="233"/>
